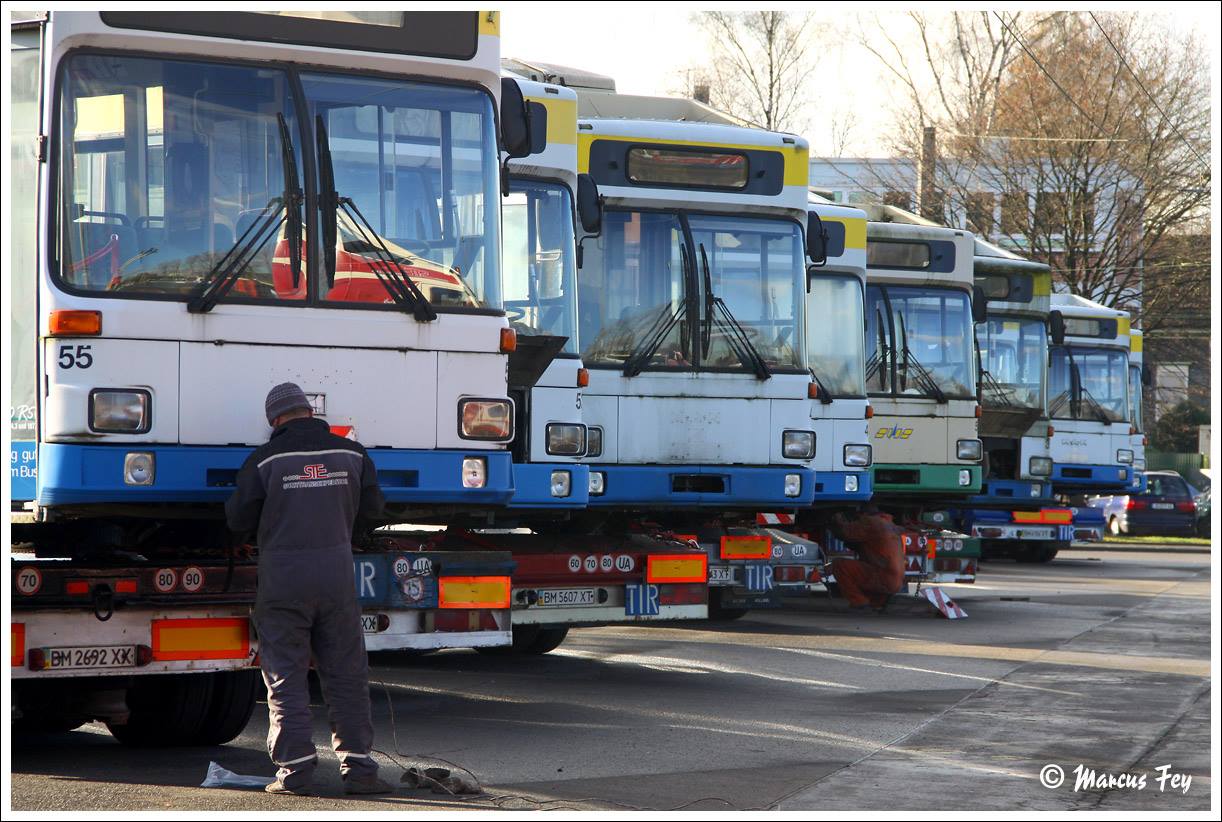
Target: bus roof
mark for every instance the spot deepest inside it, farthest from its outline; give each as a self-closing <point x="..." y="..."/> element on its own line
<point x="559" y="160"/>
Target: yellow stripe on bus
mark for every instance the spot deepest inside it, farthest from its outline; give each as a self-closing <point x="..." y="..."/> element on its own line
<point x="561" y="119"/>
<point x="854" y="230"/>
<point x="796" y="158"/>
<point x="1135" y="343"/>
<point x="1041" y="285"/>
<point x="490" y="23"/>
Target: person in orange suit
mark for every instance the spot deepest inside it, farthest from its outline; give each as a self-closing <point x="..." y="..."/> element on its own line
<point x="878" y="572"/>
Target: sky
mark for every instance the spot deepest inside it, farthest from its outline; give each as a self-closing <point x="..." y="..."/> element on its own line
<point x="647" y="46"/>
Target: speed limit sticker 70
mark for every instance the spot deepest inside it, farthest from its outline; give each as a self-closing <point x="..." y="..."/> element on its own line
<point x="29" y="580"/>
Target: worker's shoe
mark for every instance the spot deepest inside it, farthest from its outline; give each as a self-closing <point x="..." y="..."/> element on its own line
<point x="280" y="787"/>
<point x="368" y="785"/>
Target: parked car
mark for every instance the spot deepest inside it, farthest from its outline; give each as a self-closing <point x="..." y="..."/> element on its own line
<point x="1166" y="508"/>
<point x="1204" y="505"/>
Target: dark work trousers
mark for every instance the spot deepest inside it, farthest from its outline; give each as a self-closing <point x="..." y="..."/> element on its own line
<point x="307" y="605"/>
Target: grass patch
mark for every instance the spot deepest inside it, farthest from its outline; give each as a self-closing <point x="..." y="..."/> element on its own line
<point x="1144" y="540"/>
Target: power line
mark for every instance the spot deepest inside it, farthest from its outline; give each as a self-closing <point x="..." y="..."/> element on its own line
<point x="1146" y="91"/>
<point x="1039" y="139"/>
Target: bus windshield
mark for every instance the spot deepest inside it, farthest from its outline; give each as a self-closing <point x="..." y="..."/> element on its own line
<point x="1090" y="385"/>
<point x="834" y="336"/>
<point x="1012" y="352"/>
<point x="746" y="274"/>
<point x="919" y="342"/>
<point x="539" y="260"/>
<point x="168" y="168"/>
<point x="1135" y="397"/>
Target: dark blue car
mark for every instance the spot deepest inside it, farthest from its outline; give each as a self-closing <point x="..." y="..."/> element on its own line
<point x="1166" y="508"/>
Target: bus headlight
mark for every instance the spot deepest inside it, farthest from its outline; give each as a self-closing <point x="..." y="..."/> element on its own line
<point x="139" y="468"/>
<point x="562" y="483"/>
<point x="474" y="472"/>
<point x="1040" y="466"/>
<point x="1124" y="456"/>
<point x="850" y="483"/>
<point x="798" y="445"/>
<point x="119" y="410"/>
<point x="858" y="456"/>
<point x="598" y="483"/>
<point x="566" y="440"/>
<point x="485" y="419"/>
<point x="594" y="442"/>
<point x="793" y="485"/>
<point x="965" y="477"/>
<point x="969" y="450"/>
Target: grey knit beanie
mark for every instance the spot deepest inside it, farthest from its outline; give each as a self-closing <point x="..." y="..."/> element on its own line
<point x="285" y="397"/>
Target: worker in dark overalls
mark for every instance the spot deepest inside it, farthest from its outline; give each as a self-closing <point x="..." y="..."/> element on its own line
<point x="304" y="492"/>
<point x="878" y="571"/>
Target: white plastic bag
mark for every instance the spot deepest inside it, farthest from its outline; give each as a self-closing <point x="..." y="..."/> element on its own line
<point x="219" y="777"/>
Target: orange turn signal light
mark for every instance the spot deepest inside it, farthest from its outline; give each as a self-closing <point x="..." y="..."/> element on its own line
<point x="509" y="340"/>
<point x="977" y="412"/>
<point x="812" y="391"/>
<point x="869" y="412"/>
<point x="583" y="377"/>
<point x="65" y="323"/>
<point x="1051" y="431"/>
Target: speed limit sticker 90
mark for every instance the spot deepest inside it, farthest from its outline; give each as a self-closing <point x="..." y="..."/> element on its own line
<point x="192" y="579"/>
<point x="165" y="579"/>
<point x="29" y="580"/>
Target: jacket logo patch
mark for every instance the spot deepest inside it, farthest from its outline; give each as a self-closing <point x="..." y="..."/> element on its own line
<point x="315" y="472"/>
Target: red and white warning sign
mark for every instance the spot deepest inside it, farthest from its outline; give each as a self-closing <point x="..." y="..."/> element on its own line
<point x="945" y="605"/>
<point x="192" y="579"/>
<point x="774" y="519"/>
<point x="29" y="580"/>
<point x="164" y="580"/>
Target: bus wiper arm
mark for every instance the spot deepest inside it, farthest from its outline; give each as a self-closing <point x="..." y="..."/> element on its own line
<point x="387" y="268"/>
<point x="737" y="335"/>
<point x="924" y="379"/>
<point x="999" y="392"/>
<point x="279" y="210"/>
<point x="229" y="269"/>
<point x="657" y="333"/>
<point x="1096" y="407"/>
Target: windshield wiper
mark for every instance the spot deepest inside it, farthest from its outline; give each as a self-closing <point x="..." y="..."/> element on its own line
<point x="924" y="379"/>
<point x="385" y="265"/>
<point x="1096" y="407"/>
<point x="285" y="208"/>
<point x="735" y="333"/>
<point x="881" y="356"/>
<point x="999" y="392"/>
<point x="666" y="320"/>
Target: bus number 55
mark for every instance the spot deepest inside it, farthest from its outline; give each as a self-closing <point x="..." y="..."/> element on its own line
<point x="80" y="358"/>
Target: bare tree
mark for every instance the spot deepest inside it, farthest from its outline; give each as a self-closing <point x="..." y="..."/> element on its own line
<point x="760" y="66"/>
<point x="1085" y="134"/>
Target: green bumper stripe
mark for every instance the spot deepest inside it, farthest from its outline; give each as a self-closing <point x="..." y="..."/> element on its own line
<point x="923" y="479"/>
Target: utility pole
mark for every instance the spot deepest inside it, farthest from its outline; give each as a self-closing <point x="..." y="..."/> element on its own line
<point x="929" y="204"/>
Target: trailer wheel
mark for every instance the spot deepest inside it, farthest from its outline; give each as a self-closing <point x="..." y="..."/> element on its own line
<point x="721" y="612"/>
<point x="167" y="710"/>
<point x="234" y="694"/>
<point x="534" y="640"/>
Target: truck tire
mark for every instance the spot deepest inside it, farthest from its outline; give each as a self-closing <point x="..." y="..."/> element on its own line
<point x="234" y="694"/>
<point x="717" y="611"/>
<point x="533" y="640"/>
<point x="1036" y="554"/>
<point x="167" y="710"/>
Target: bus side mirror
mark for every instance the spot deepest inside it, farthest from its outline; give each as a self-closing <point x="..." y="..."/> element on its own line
<point x="980" y="305"/>
<point x="589" y="205"/>
<point x="816" y="239"/>
<point x="538" y="127"/>
<point x="516" y="138"/>
<point x="1147" y="376"/>
<point x="1056" y="327"/>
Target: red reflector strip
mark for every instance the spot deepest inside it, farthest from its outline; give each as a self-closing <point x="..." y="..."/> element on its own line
<point x="125" y="586"/>
<point x="218" y="638"/>
<point x="76" y="588"/>
<point x="789" y="573"/>
<point x="756" y="546"/>
<point x="473" y="592"/>
<point x="677" y="568"/>
<point x="17" y="637"/>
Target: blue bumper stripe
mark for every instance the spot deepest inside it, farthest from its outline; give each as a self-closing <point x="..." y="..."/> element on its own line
<point x="652" y="486"/>
<point x="829" y="486"/>
<point x="1107" y="476"/>
<point x="532" y="483"/>
<point x="83" y="474"/>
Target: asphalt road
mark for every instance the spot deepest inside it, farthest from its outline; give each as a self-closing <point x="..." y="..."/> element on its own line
<point x="1099" y="660"/>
